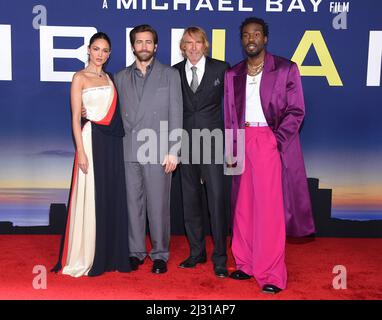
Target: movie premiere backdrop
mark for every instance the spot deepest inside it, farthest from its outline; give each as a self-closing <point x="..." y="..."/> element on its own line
<point x="337" y="45"/>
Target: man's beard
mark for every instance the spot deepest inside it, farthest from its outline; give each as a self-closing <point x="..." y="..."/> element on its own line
<point x="254" y="54"/>
<point x="147" y="55"/>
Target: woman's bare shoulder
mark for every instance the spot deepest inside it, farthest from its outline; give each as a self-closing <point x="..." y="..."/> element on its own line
<point x="80" y="75"/>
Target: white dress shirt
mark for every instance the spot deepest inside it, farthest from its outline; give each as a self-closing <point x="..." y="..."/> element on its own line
<point x="201" y="66"/>
<point x="253" y="109"/>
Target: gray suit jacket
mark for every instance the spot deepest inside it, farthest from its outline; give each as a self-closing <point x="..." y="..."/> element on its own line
<point x="161" y="101"/>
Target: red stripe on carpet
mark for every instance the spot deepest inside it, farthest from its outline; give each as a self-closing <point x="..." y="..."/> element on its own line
<point x="310" y="276"/>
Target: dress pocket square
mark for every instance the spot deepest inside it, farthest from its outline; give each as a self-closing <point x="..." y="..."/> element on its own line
<point x="217" y="82"/>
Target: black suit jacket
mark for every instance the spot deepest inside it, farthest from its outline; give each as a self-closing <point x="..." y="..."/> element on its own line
<point x="203" y="109"/>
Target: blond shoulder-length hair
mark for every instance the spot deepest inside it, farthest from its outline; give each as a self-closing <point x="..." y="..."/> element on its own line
<point x="197" y="33"/>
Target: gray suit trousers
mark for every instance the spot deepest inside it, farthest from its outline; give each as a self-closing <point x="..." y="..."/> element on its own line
<point x="148" y="190"/>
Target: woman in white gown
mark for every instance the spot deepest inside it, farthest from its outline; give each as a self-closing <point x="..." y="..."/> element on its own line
<point x="96" y="239"/>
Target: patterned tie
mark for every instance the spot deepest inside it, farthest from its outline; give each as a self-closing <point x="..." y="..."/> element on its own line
<point x="194" y="81"/>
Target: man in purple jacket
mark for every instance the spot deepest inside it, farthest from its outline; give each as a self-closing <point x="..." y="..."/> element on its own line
<point x="264" y="100"/>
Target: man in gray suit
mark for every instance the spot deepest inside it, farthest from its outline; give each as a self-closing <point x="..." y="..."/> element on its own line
<point x="150" y="98"/>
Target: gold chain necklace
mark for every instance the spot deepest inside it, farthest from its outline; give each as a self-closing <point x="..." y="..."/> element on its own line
<point x="255" y="70"/>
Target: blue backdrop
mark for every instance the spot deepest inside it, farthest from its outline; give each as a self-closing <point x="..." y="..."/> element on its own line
<point x="339" y="54"/>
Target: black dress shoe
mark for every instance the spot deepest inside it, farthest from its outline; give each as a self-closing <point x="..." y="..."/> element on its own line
<point x="191" y="262"/>
<point x="135" y="263"/>
<point x="221" y="272"/>
<point x="270" y="288"/>
<point x="159" y="266"/>
<point x="240" y="275"/>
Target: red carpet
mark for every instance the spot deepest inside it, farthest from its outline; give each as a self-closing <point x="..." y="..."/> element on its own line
<point x="309" y="265"/>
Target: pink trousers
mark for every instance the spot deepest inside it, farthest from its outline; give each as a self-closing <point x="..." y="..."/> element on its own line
<point x="258" y="239"/>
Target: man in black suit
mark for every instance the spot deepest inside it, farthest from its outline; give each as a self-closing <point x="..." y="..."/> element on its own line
<point x="202" y="81"/>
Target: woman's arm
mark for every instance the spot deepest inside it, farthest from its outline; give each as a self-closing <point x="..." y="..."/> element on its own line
<point x="76" y="103"/>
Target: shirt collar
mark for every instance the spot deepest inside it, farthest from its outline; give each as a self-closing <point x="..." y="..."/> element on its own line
<point x="148" y="68"/>
<point x="200" y="65"/>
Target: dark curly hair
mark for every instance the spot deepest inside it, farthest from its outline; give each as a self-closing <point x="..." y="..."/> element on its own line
<point x="254" y="20"/>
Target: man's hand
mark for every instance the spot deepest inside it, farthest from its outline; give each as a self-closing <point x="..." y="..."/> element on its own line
<point x="170" y="162"/>
<point x="230" y="161"/>
<point x="83" y="112"/>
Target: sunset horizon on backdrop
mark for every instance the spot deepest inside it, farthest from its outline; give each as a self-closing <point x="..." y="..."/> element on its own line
<point x="34" y="179"/>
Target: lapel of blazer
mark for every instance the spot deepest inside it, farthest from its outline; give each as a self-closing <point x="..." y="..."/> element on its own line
<point x="151" y="86"/>
<point x="188" y="94"/>
<point x="239" y="83"/>
<point x="183" y="77"/>
<point x="206" y="76"/>
<point x="206" y="80"/>
<point x="267" y="83"/>
<point x="130" y="94"/>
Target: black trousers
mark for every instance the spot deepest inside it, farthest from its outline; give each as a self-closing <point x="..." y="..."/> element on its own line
<point x="192" y="190"/>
